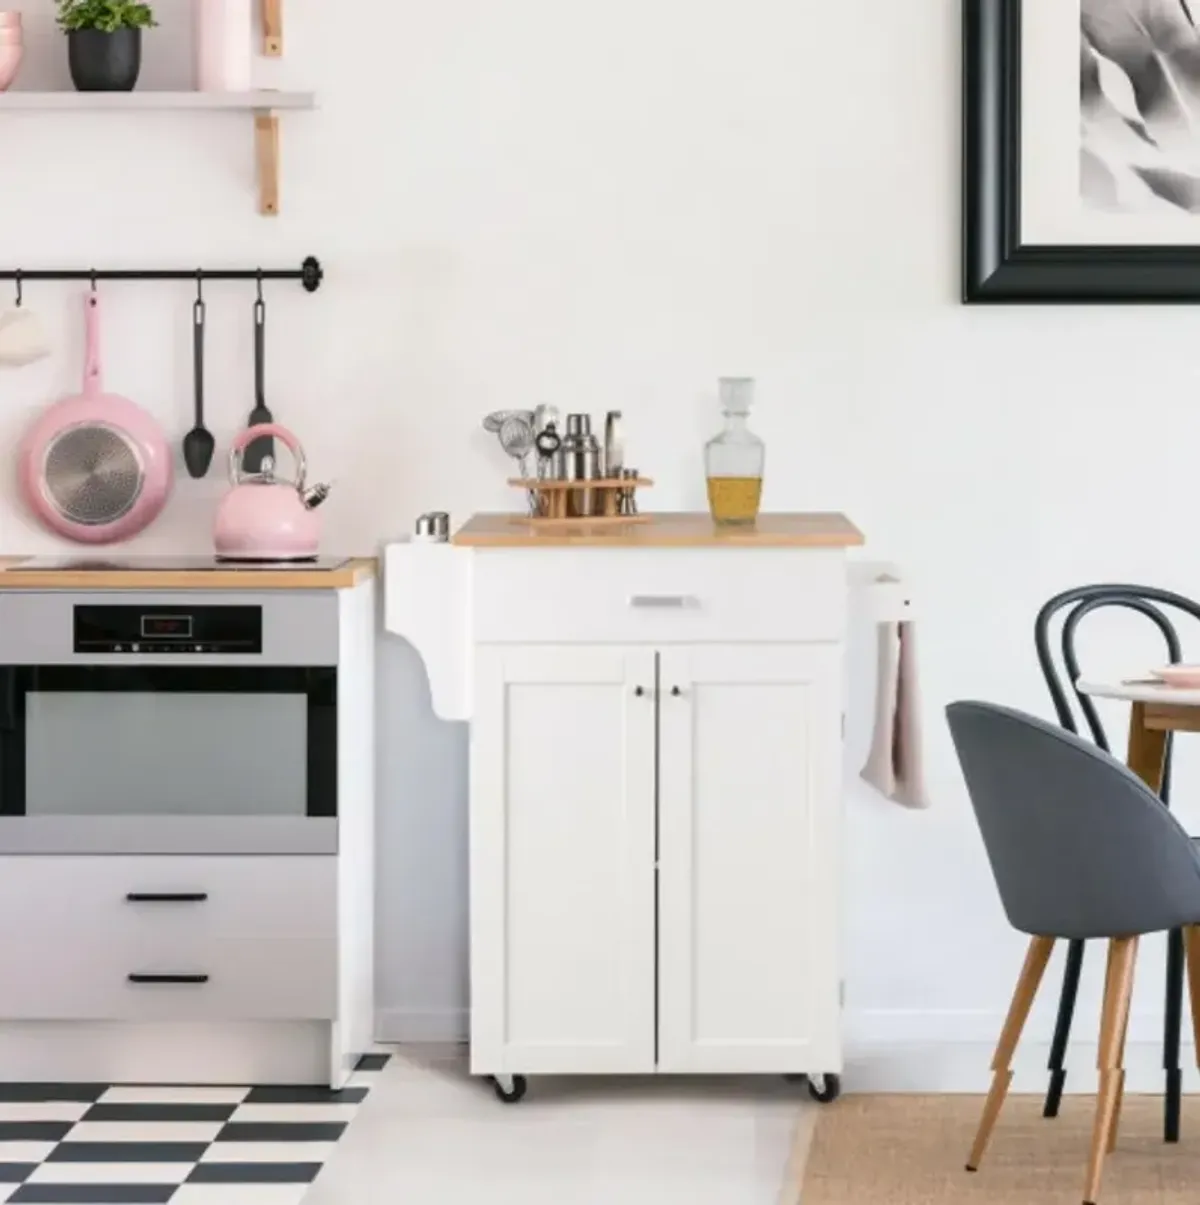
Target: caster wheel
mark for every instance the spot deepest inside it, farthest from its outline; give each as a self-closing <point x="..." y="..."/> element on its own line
<point x="825" y="1088"/>
<point x="512" y="1091"/>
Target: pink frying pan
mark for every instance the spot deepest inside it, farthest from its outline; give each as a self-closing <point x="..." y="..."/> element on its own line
<point x="95" y="468"/>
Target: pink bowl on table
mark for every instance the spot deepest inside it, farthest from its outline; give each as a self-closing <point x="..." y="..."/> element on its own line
<point x="10" y="64"/>
<point x="1185" y="677"/>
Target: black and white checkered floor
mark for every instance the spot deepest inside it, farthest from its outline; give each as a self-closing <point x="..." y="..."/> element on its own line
<point x="78" y="1144"/>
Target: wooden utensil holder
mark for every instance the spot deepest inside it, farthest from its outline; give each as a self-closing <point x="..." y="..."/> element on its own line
<point x="552" y="501"/>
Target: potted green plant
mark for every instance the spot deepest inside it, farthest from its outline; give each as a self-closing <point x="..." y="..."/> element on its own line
<point x="104" y="42"/>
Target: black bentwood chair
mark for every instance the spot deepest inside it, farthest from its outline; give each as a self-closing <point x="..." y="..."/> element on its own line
<point x="1079" y="603"/>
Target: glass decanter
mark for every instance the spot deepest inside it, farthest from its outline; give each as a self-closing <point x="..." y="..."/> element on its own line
<point x="733" y="460"/>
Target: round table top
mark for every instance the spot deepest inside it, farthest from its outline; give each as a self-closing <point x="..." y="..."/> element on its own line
<point x="1140" y="692"/>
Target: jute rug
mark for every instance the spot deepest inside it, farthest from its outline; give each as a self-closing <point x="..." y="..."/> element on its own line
<point x="910" y="1150"/>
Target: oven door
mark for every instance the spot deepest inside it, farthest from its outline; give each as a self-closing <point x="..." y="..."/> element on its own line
<point x="131" y="759"/>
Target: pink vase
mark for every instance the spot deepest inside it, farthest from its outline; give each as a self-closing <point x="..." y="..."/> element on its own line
<point x="224" y="58"/>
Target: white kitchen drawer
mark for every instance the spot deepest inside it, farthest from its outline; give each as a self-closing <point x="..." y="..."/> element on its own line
<point x="590" y="595"/>
<point x="265" y="935"/>
<point x="250" y="979"/>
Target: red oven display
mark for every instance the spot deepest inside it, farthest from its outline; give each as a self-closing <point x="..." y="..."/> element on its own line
<point x="179" y="626"/>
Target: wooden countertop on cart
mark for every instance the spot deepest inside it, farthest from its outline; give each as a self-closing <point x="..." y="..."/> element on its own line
<point x="662" y="531"/>
<point x="354" y="571"/>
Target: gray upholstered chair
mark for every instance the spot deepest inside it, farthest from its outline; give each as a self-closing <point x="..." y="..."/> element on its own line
<point x="1080" y="848"/>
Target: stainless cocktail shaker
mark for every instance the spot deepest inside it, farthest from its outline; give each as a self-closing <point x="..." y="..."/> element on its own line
<point x="581" y="462"/>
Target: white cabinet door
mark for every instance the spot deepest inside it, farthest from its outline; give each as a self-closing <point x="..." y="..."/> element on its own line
<point x="749" y="858"/>
<point x="562" y="860"/>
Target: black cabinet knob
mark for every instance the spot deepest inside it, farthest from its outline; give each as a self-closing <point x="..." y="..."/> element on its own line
<point x="676" y="691"/>
<point x="640" y="691"/>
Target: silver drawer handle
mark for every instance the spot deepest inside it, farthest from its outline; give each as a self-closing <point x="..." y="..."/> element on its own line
<point x="664" y="601"/>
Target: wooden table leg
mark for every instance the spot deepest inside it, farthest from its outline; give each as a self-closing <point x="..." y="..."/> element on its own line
<point x="1147" y="749"/>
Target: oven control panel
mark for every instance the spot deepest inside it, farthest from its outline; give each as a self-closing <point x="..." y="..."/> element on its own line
<point x="158" y="630"/>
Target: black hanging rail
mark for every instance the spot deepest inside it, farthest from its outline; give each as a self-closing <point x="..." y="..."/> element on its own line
<point x="310" y="274"/>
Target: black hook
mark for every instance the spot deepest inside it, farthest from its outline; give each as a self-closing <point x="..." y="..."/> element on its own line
<point x="18" y="279"/>
<point x="259" y="277"/>
<point x="199" y="286"/>
<point x="93" y="278"/>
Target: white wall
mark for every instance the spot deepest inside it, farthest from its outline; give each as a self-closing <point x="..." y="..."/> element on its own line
<point x="610" y="205"/>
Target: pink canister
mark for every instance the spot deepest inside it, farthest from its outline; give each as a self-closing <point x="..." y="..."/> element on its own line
<point x="224" y="57"/>
<point x="10" y="63"/>
<point x="11" y="48"/>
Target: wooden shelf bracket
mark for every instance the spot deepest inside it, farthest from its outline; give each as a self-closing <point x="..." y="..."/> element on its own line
<point x="265" y="104"/>
<point x="266" y="155"/>
<point x="272" y="16"/>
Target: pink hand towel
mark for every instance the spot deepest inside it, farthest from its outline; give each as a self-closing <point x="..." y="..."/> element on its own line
<point x="895" y="765"/>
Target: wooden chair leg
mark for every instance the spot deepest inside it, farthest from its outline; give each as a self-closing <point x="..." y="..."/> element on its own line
<point x="1036" y="959"/>
<point x="1118" y="989"/>
<point x="1121" y="1041"/>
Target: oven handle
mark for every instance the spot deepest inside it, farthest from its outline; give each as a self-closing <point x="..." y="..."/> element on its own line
<point x="134" y="977"/>
<point x="166" y="897"/>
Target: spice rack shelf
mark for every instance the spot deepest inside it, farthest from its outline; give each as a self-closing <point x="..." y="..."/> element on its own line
<point x="264" y="104"/>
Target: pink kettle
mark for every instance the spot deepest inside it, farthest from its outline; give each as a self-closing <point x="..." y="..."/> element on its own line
<point x="266" y="518"/>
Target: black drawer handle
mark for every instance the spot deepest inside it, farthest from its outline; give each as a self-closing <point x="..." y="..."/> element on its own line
<point x="135" y="978"/>
<point x="166" y="897"/>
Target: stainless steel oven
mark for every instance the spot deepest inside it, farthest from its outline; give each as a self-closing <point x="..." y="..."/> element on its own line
<point x="168" y="723"/>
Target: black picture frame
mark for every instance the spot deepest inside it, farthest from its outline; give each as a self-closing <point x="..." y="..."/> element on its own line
<point x="998" y="267"/>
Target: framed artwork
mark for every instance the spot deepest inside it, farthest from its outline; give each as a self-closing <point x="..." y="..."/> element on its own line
<point x="1081" y="151"/>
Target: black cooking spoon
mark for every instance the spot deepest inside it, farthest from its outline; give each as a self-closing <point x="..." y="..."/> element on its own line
<point x="259" y="449"/>
<point x="198" y="443"/>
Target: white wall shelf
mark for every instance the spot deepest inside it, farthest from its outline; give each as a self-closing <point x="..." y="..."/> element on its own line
<point x="264" y="104"/>
<point x="125" y="101"/>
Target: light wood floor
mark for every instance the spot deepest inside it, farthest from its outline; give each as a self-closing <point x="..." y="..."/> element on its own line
<point x="429" y="1133"/>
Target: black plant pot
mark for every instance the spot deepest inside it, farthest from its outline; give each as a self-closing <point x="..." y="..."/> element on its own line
<point x="105" y="62"/>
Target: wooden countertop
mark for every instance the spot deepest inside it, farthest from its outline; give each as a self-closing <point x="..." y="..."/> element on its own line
<point x="12" y="577"/>
<point x="663" y="531"/>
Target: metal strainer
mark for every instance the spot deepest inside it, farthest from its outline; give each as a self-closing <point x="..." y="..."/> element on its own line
<point x="93" y="474"/>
